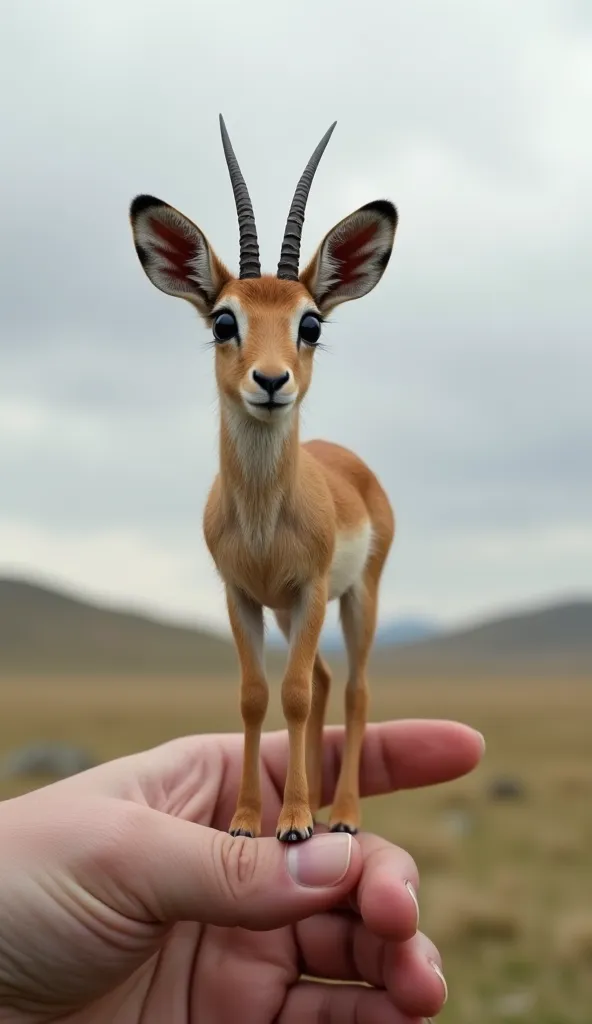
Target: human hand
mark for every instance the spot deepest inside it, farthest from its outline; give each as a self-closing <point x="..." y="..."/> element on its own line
<point x="123" y="901"/>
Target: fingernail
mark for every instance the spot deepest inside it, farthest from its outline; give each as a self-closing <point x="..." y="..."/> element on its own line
<point x="438" y="970"/>
<point x="482" y="738"/>
<point x="413" y="894"/>
<point x="320" y="862"/>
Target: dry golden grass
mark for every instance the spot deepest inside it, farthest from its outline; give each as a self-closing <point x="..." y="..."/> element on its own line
<point x="506" y="887"/>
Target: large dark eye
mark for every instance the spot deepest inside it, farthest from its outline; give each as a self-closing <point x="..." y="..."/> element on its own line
<point x="310" y="329"/>
<point x="225" y="327"/>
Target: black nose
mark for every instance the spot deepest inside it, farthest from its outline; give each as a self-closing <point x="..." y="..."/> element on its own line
<point x="270" y="384"/>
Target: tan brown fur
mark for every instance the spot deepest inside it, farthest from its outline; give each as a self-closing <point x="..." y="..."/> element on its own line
<point x="289" y="525"/>
<point x="318" y="491"/>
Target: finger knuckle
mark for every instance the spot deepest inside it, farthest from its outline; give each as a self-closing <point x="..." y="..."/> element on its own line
<point x="237" y="857"/>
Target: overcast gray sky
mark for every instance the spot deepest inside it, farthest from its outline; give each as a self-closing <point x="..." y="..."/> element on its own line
<point x="464" y="379"/>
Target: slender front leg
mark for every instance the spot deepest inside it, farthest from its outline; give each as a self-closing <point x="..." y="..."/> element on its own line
<point x="295" y="821"/>
<point x="321" y="685"/>
<point x="246" y="620"/>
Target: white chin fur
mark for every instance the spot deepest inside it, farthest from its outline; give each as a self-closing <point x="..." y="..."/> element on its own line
<point x="264" y="415"/>
<point x="258" y="411"/>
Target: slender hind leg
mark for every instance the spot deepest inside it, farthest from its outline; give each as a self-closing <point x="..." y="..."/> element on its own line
<point x="358" y="610"/>
<point x="321" y="684"/>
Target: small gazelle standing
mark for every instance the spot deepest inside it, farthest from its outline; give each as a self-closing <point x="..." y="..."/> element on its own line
<point x="290" y="526"/>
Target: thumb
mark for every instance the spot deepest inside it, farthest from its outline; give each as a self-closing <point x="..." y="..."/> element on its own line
<point x="181" y="871"/>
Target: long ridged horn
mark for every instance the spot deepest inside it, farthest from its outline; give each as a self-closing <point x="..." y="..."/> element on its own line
<point x="249" y="246"/>
<point x="290" y="255"/>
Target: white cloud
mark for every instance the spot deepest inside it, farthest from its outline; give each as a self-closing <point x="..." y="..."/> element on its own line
<point x="120" y="567"/>
<point x="463" y="379"/>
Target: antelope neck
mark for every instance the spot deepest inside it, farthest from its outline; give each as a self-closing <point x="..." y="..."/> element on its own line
<point x="258" y="459"/>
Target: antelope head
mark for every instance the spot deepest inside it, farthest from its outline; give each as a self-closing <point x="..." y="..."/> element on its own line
<point x="265" y="327"/>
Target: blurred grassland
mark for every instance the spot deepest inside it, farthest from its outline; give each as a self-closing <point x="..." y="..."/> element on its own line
<point x="506" y="887"/>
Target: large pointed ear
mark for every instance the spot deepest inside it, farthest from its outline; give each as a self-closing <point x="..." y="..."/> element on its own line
<point x="175" y="254"/>
<point x="353" y="256"/>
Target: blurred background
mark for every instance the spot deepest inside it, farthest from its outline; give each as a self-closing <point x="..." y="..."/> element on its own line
<point x="464" y="380"/>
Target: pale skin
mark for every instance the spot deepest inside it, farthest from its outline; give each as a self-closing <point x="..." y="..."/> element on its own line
<point x="290" y="525"/>
<point x="124" y="901"/>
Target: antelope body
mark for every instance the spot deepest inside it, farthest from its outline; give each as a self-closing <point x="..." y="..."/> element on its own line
<point x="290" y="525"/>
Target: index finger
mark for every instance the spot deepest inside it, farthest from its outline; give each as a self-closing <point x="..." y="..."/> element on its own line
<point x="396" y="755"/>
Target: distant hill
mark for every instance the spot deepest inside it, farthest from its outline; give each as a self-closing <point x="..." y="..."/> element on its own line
<point x="548" y="639"/>
<point x="46" y="631"/>
<point x="406" y="631"/>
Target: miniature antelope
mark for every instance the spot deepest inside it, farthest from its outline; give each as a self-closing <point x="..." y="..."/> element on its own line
<point x="289" y="525"/>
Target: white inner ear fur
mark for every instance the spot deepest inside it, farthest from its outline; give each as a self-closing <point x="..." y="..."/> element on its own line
<point x="328" y="286"/>
<point x="200" y="270"/>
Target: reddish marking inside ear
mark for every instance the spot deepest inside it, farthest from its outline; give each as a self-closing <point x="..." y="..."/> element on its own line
<point x="183" y="250"/>
<point x="348" y="252"/>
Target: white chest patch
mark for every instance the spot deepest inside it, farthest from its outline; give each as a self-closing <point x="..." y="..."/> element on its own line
<point x="349" y="560"/>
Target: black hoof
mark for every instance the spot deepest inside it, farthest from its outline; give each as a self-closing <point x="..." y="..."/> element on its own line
<point x="341" y="826"/>
<point x="241" y="832"/>
<point x="294" y="835"/>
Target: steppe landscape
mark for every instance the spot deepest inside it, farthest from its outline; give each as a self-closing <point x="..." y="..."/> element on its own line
<point x="505" y="868"/>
